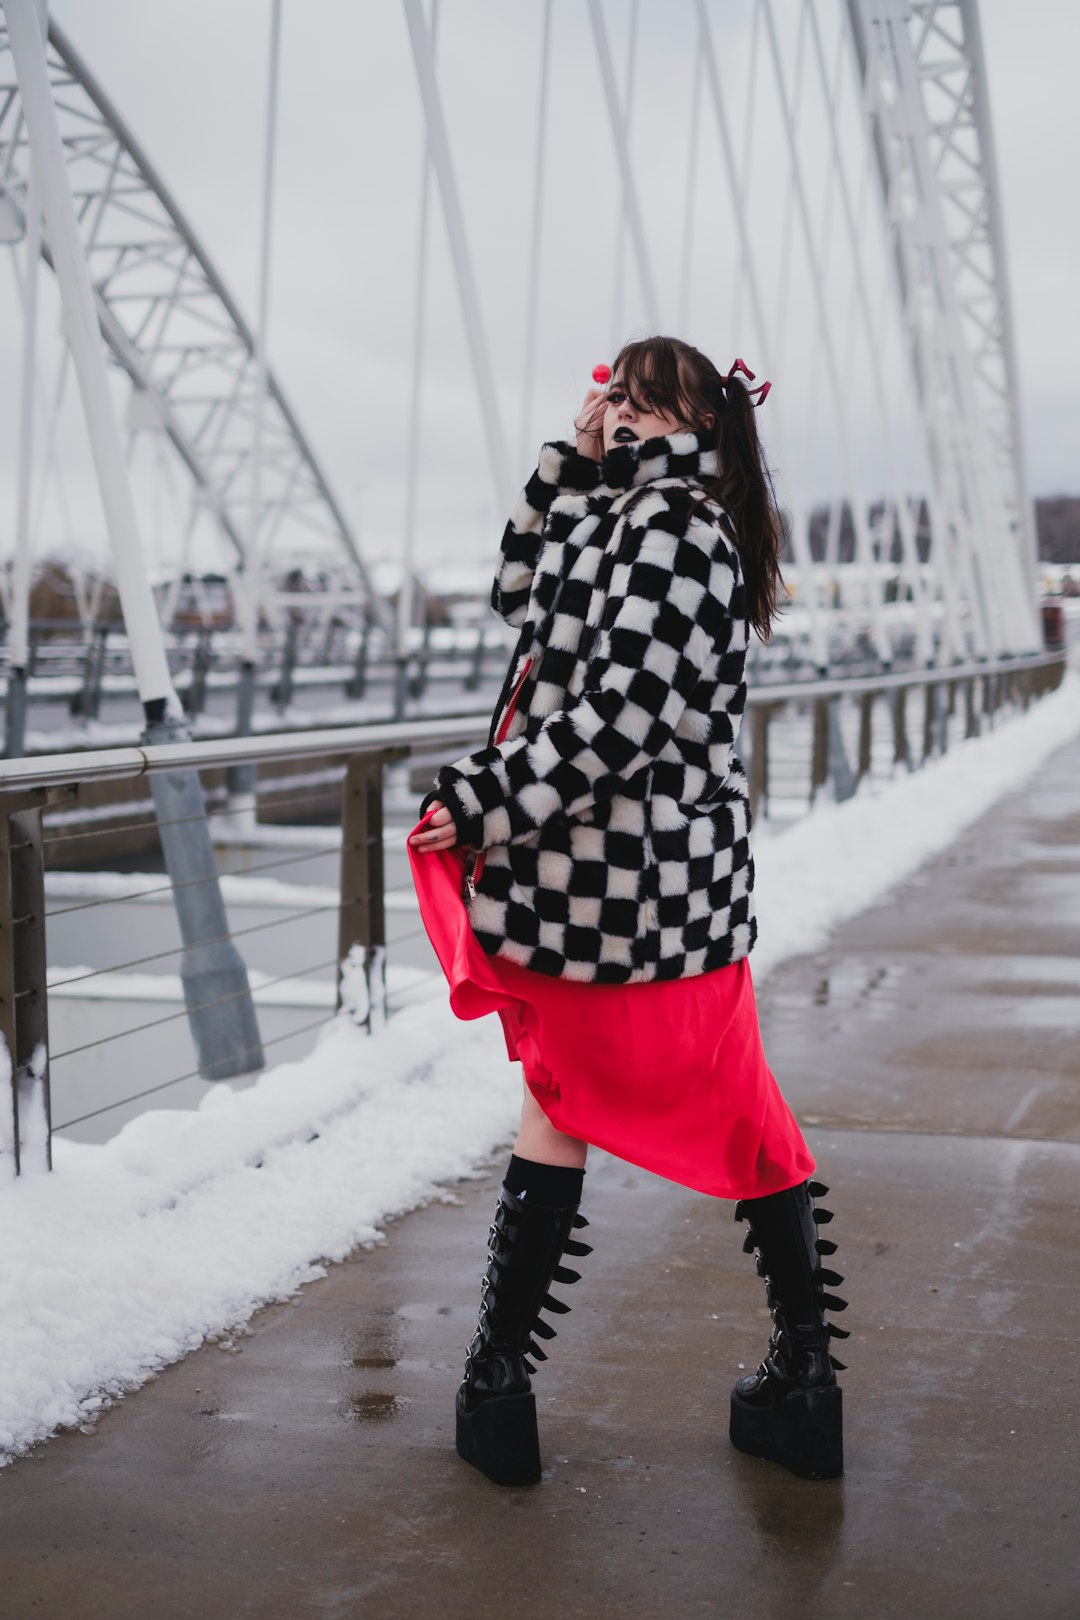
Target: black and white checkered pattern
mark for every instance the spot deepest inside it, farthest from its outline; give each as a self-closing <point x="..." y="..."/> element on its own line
<point x="615" y="815"/>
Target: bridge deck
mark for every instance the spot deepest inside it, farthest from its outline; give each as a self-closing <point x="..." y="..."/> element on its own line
<point x="935" y="1044"/>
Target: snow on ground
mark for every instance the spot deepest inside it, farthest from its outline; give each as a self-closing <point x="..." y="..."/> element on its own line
<point x="135" y="1251"/>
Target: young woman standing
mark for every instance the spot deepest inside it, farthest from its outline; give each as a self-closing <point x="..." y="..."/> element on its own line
<point x="588" y="875"/>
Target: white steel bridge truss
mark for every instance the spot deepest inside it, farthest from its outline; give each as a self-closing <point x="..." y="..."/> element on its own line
<point x="171" y="323"/>
<point x="964" y="583"/>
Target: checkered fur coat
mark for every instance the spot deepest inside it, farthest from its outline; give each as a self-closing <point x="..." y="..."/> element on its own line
<point x="613" y="814"/>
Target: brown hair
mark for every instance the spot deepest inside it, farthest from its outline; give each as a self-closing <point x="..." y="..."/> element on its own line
<point x="681" y="380"/>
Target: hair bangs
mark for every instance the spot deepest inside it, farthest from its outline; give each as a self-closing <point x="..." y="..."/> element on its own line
<point x="649" y="371"/>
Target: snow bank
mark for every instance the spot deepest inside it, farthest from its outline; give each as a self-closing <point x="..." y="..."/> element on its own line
<point x="134" y="1251"/>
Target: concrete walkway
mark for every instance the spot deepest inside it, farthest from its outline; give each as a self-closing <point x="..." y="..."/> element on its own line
<point x="935" y="1048"/>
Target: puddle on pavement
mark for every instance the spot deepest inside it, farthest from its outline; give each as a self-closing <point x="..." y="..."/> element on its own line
<point x="375" y="1406"/>
<point x="851" y="984"/>
<point x="374" y="1343"/>
<point x="423" y="1311"/>
<point x="1058" y="830"/>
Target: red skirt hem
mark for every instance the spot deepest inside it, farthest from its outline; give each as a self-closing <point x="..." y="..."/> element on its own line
<point x="669" y="1075"/>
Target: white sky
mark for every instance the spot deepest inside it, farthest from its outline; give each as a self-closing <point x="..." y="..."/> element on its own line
<point x="189" y="78"/>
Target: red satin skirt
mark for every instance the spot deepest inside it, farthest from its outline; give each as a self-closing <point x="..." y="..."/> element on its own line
<point x="669" y="1075"/>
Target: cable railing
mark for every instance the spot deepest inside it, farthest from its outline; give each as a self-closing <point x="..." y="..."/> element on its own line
<point x="94" y="1007"/>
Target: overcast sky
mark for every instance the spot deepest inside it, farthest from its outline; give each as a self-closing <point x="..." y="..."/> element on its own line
<point x="189" y="77"/>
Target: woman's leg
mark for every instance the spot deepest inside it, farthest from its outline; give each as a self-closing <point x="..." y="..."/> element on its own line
<point x="790" y="1410"/>
<point x="531" y="1233"/>
<point x="538" y="1140"/>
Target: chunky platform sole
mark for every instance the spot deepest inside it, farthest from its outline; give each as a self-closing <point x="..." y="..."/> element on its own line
<point x="804" y="1431"/>
<point x="500" y="1438"/>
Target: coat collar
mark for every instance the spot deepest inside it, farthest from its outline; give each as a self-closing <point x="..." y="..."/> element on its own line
<point x="673" y="455"/>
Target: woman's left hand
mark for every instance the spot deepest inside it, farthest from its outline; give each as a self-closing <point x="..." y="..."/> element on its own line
<point x="440" y="832"/>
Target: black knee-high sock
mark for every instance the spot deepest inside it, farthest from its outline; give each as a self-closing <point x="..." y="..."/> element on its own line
<point x="552" y="1186"/>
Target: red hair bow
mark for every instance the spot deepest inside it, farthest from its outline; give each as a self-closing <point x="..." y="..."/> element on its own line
<point x="761" y="390"/>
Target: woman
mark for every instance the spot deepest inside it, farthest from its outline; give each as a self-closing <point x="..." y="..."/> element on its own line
<point x="588" y="875"/>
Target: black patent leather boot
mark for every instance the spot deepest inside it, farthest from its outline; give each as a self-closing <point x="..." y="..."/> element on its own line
<point x="496" y="1409"/>
<point x="790" y="1411"/>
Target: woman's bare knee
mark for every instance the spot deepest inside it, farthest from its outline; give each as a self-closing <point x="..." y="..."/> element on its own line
<point x="538" y="1140"/>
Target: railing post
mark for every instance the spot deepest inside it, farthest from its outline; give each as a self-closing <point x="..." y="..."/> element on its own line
<point x="840" y="773"/>
<point x="929" y="718"/>
<point x="989" y="705"/>
<point x="15" y="726"/>
<point x="819" y="759"/>
<point x="87" y="701"/>
<point x="901" y="749"/>
<point x="25" y="1123"/>
<point x="282" y="694"/>
<point x="418" y="684"/>
<point x="362" y="915"/>
<point x="476" y="669"/>
<point x="357" y="682"/>
<point x="330" y="640"/>
<point x="946" y="708"/>
<point x="971" y="718"/>
<point x="866" y="735"/>
<point x="760" y="715"/>
<point x="242" y="780"/>
<point x="195" y="696"/>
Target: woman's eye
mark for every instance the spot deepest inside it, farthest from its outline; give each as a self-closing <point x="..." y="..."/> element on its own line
<point x="615" y="396"/>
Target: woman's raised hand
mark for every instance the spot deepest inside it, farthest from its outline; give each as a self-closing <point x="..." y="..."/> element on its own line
<point x="589" y="425"/>
<point x="439" y="833"/>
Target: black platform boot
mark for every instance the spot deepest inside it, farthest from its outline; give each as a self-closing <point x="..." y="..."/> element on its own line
<point x="496" y="1409"/>
<point x="790" y="1411"/>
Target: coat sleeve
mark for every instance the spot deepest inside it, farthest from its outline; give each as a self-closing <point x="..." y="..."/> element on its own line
<point x="667" y="620"/>
<point x="560" y="468"/>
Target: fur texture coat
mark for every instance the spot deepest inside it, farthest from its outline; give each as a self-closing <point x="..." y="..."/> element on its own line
<point x="613" y="813"/>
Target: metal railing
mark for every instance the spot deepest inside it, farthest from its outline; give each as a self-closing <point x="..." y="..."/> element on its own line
<point x="799" y="739"/>
<point x="87" y="666"/>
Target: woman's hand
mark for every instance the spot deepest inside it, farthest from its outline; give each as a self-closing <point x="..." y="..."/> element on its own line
<point x="589" y="425"/>
<point x="440" y="832"/>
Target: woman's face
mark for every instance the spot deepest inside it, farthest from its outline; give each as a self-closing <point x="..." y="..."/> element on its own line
<point x="629" y="420"/>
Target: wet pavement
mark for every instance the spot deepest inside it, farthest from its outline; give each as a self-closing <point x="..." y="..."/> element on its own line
<point x="307" y="1469"/>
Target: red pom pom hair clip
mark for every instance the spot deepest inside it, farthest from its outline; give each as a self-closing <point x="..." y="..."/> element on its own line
<point x="601" y="375"/>
<point x="761" y="390"/>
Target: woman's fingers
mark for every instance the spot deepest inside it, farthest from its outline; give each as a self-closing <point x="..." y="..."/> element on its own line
<point x="592" y="407"/>
<point x="587" y="424"/>
<point x="439" y="831"/>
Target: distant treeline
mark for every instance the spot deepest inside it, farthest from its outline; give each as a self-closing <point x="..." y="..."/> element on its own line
<point x="1057" y="517"/>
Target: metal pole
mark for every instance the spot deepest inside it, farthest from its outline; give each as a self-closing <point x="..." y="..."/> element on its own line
<point x="691" y="195"/>
<point x="362" y="912"/>
<point x="84" y="337"/>
<point x="532" y="291"/>
<point x="412" y="441"/>
<point x="631" y="205"/>
<point x="1025" y="508"/>
<point x="24" y="1011"/>
<point x="226" y="1044"/>
<point x="800" y="537"/>
<point x="836" y="386"/>
<point x="439" y="147"/>
<point x="618" y="274"/>
<point x="19" y="611"/>
<point x="240" y="781"/>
